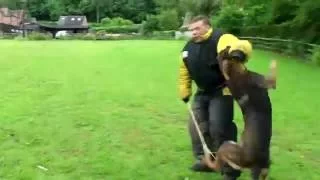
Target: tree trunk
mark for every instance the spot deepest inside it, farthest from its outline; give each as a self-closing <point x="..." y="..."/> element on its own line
<point x="98" y="13"/>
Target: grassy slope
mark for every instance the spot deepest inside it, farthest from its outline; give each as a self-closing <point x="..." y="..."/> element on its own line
<point x="83" y="111"/>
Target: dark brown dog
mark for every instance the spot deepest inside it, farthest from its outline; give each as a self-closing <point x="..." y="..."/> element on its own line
<point x="250" y="90"/>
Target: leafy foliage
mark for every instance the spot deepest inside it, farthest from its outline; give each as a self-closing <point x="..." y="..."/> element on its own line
<point x="117" y="21"/>
<point x="316" y="56"/>
<point x="230" y="18"/>
<point x="168" y="20"/>
<point x="284" y="18"/>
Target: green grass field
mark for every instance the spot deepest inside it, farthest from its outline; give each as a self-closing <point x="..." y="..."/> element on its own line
<point x="110" y="110"/>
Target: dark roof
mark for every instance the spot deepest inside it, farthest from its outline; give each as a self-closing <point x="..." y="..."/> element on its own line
<point x="68" y="22"/>
<point x="73" y="21"/>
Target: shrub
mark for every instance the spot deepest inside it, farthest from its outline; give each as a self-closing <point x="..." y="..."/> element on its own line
<point x="315" y="57"/>
<point x="150" y="25"/>
<point x="230" y="18"/>
<point x="273" y="31"/>
<point x="117" y="21"/>
<point x="162" y="35"/>
<point x="89" y="36"/>
<point x="80" y="36"/>
<point x="7" y="36"/>
<point x="19" y="38"/>
<point x="106" y="21"/>
<point x="168" y="20"/>
<point x="119" y="29"/>
<point x="257" y="15"/>
<point x="39" y="36"/>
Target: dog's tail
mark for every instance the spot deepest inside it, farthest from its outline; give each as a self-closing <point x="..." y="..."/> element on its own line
<point x="272" y="77"/>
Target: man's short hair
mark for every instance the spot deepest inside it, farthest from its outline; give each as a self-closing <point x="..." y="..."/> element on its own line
<point x="202" y="18"/>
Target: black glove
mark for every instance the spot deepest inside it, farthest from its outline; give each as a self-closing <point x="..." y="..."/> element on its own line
<point x="186" y="99"/>
<point x="238" y="55"/>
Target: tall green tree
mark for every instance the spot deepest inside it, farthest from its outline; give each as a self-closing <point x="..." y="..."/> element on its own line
<point x="101" y="5"/>
<point x="196" y="7"/>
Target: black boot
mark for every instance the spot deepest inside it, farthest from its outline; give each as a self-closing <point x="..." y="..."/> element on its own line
<point x="200" y="167"/>
<point x="228" y="177"/>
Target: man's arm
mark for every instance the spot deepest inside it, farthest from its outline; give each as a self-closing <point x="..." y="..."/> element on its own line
<point x="184" y="82"/>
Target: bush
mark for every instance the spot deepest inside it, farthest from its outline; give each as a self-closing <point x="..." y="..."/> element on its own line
<point x="283" y="11"/>
<point x="19" y="38"/>
<point x="283" y="31"/>
<point x="257" y="15"/>
<point x="286" y="31"/>
<point x="119" y="29"/>
<point x="117" y="21"/>
<point x="79" y="36"/>
<point x="168" y="20"/>
<point x="163" y="35"/>
<point x="8" y="36"/>
<point x="151" y="24"/>
<point x="89" y="36"/>
<point x="39" y="36"/>
<point x="315" y="57"/>
<point x="106" y="21"/>
<point x="230" y="18"/>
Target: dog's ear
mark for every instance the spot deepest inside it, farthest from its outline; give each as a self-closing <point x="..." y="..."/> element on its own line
<point x="224" y="54"/>
<point x="223" y="61"/>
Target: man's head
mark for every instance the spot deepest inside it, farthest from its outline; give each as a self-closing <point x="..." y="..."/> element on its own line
<point x="199" y="26"/>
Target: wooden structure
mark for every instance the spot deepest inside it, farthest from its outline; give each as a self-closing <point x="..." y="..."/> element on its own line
<point x="11" y="20"/>
<point x="74" y="24"/>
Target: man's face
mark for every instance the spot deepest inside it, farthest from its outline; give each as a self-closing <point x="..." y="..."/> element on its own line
<point x="198" y="29"/>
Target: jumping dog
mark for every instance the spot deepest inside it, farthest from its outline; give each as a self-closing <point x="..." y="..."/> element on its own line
<point x="250" y="90"/>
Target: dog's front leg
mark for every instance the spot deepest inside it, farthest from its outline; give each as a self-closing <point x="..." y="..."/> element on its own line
<point x="271" y="79"/>
<point x="267" y="81"/>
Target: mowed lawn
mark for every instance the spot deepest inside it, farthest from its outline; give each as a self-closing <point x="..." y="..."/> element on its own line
<point x="110" y="110"/>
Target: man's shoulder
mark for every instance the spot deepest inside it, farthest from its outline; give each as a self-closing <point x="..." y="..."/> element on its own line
<point x="217" y="33"/>
<point x="187" y="45"/>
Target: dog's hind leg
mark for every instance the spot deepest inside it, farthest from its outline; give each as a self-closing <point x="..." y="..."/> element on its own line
<point x="255" y="173"/>
<point x="216" y="164"/>
<point x="264" y="173"/>
<point x="232" y="154"/>
<point x="259" y="173"/>
<point x="229" y="152"/>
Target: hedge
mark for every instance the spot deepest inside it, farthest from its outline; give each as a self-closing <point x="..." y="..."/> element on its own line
<point x="283" y="31"/>
<point x="119" y="29"/>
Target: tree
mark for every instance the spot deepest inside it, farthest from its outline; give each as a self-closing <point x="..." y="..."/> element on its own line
<point x="196" y="7"/>
<point x="99" y="5"/>
<point x="12" y="4"/>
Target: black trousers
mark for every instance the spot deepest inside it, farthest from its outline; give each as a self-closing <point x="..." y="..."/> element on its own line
<point x="214" y="114"/>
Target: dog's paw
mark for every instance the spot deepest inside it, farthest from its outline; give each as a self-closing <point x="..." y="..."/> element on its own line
<point x="273" y="64"/>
